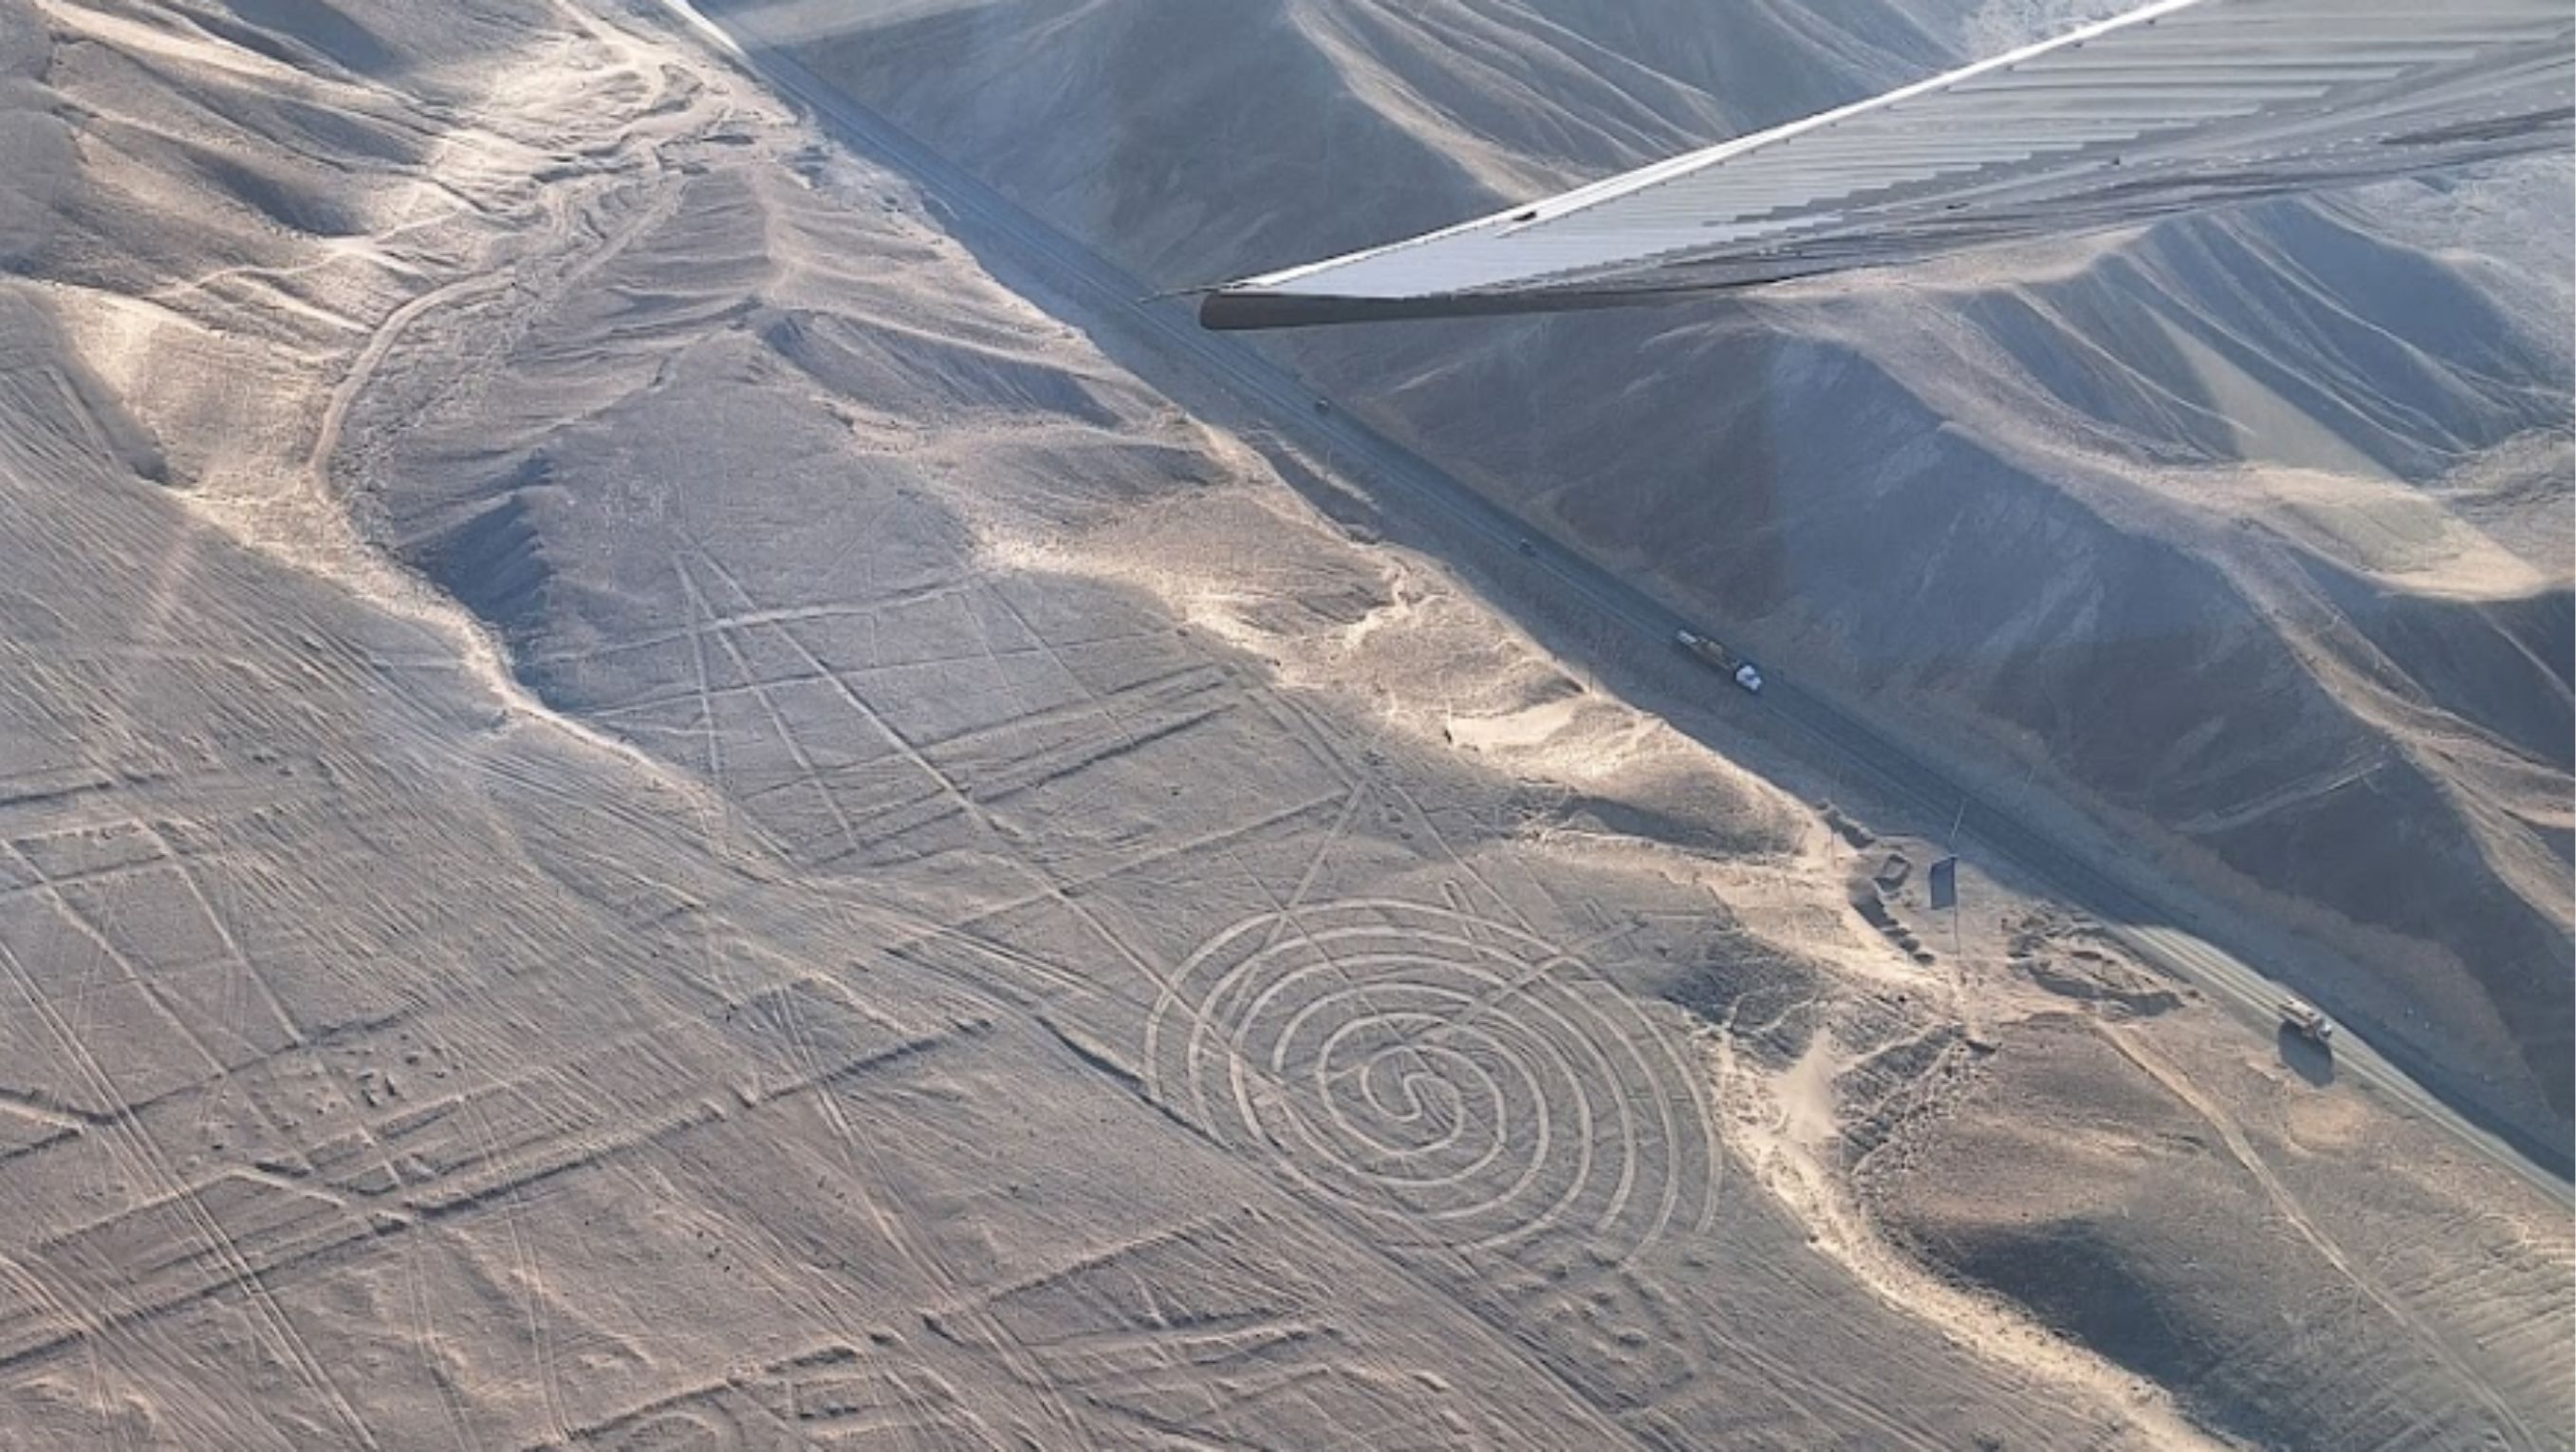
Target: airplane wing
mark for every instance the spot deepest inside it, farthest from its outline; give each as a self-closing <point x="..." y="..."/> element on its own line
<point x="2180" y="106"/>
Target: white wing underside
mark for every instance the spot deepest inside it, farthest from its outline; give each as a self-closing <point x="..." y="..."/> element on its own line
<point x="2181" y="106"/>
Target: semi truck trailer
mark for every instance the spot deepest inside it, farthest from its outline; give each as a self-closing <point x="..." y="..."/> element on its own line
<point x="1714" y="652"/>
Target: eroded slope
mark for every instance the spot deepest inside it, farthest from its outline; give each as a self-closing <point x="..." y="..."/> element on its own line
<point x="2066" y="509"/>
<point x="910" y="971"/>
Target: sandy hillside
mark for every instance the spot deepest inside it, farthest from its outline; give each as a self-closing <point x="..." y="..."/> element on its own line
<point x="639" y="808"/>
<point x="2242" y="538"/>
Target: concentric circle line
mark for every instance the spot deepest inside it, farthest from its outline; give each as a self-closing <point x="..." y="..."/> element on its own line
<point x="1298" y="1124"/>
<point x="1534" y="973"/>
<point x="1499" y="1138"/>
<point x="1585" y="1140"/>
<point x="1246" y="969"/>
<point x="1171" y="995"/>
<point x="1389" y="905"/>
<point x="1415" y="1065"/>
<point x="1701" y="1110"/>
<point x="1317" y="1186"/>
<point x="1458" y="1124"/>
<point x="1480" y="1004"/>
<point x="1278" y="1074"/>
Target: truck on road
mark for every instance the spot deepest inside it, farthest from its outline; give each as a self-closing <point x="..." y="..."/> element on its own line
<point x="1743" y="672"/>
<point x="2304" y="1020"/>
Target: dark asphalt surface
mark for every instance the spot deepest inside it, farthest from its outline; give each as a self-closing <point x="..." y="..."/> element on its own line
<point x="1169" y="325"/>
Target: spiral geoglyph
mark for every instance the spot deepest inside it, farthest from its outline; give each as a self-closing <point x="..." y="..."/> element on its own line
<point x="1461" y="1080"/>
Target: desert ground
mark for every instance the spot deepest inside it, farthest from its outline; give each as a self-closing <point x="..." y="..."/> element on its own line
<point x="650" y="798"/>
<point x="2241" y="537"/>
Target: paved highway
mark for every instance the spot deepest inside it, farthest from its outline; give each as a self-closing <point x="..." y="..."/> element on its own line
<point x="1109" y="294"/>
